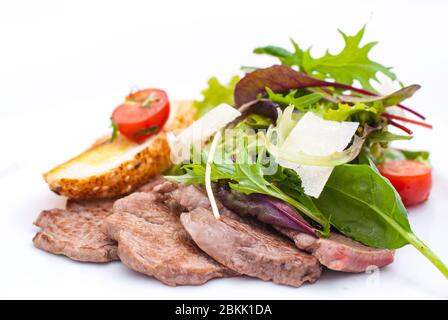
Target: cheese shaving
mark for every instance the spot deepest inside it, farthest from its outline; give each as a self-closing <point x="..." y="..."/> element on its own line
<point x="208" y="174"/>
<point x="199" y="131"/>
<point x="314" y="136"/>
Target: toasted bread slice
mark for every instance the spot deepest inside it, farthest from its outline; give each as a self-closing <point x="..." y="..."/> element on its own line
<point x="111" y="169"/>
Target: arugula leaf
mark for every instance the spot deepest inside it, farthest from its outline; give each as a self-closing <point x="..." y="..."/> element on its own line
<point x="302" y="103"/>
<point x="273" y="51"/>
<point x="364" y="206"/>
<point x="376" y="146"/>
<point x="286" y="57"/>
<point x="351" y="64"/>
<point x="215" y="94"/>
<point x="287" y="180"/>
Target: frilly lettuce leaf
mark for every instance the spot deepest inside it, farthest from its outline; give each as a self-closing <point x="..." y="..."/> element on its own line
<point x="215" y="94"/>
<point x="349" y="65"/>
<point x="344" y="111"/>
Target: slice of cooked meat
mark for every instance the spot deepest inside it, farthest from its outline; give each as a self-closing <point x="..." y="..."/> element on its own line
<point x="158" y="184"/>
<point x="250" y="250"/>
<point x="190" y="197"/>
<point x="152" y="241"/>
<point x="76" y="234"/>
<point x="337" y="252"/>
<point x="105" y="204"/>
<point x="341" y="253"/>
<point x="163" y="188"/>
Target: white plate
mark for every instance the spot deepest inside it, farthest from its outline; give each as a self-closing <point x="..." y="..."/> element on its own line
<point x="49" y="59"/>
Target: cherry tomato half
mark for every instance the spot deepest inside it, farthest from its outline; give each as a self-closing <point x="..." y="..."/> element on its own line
<point x="412" y="179"/>
<point x="142" y="115"/>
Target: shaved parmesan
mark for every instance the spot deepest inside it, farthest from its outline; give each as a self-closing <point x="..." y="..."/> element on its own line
<point x="208" y="174"/>
<point x="199" y="131"/>
<point x="313" y="178"/>
<point x="316" y="137"/>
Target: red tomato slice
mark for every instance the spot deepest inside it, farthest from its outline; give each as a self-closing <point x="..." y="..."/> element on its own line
<point x="143" y="114"/>
<point x="412" y="179"/>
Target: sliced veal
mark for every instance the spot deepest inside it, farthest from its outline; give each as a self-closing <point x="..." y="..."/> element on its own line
<point x="105" y="204"/>
<point x="77" y="234"/>
<point x="341" y="253"/>
<point x="152" y="241"/>
<point x="337" y="252"/>
<point x="249" y="249"/>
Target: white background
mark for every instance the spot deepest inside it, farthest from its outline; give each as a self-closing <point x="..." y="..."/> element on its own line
<point x="65" y="65"/>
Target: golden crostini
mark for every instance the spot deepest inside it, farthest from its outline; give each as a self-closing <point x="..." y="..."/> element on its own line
<point x="114" y="168"/>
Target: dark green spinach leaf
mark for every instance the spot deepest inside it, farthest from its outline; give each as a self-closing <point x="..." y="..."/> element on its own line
<point x="363" y="205"/>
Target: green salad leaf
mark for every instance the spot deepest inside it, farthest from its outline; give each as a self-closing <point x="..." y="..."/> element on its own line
<point x="385" y="136"/>
<point x="366" y="109"/>
<point x="364" y="206"/>
<point x="215" y="94"/>
<point x="247" y="176"/>
<point x="422" y="156"/>
<point x="277" y="52"/>
<point x="285" y="56"/>
<point x="350" y="65"/>
<point x="360" y="203"/>
<point x="302" y="103"/>
<point x="377" y="146"/>
<point x="389" y="100"/>
<point x="256" y="121"/>
<point x="114" y="127"/>
<point x="344" y="111"/>
<point x="397" y="154"/>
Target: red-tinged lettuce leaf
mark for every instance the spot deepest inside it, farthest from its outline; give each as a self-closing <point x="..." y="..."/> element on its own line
<point x="264" y="208"/>
<point x="262" y="107"/>
<point x="389" y="100"/>
<point x="279" y="78"/>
